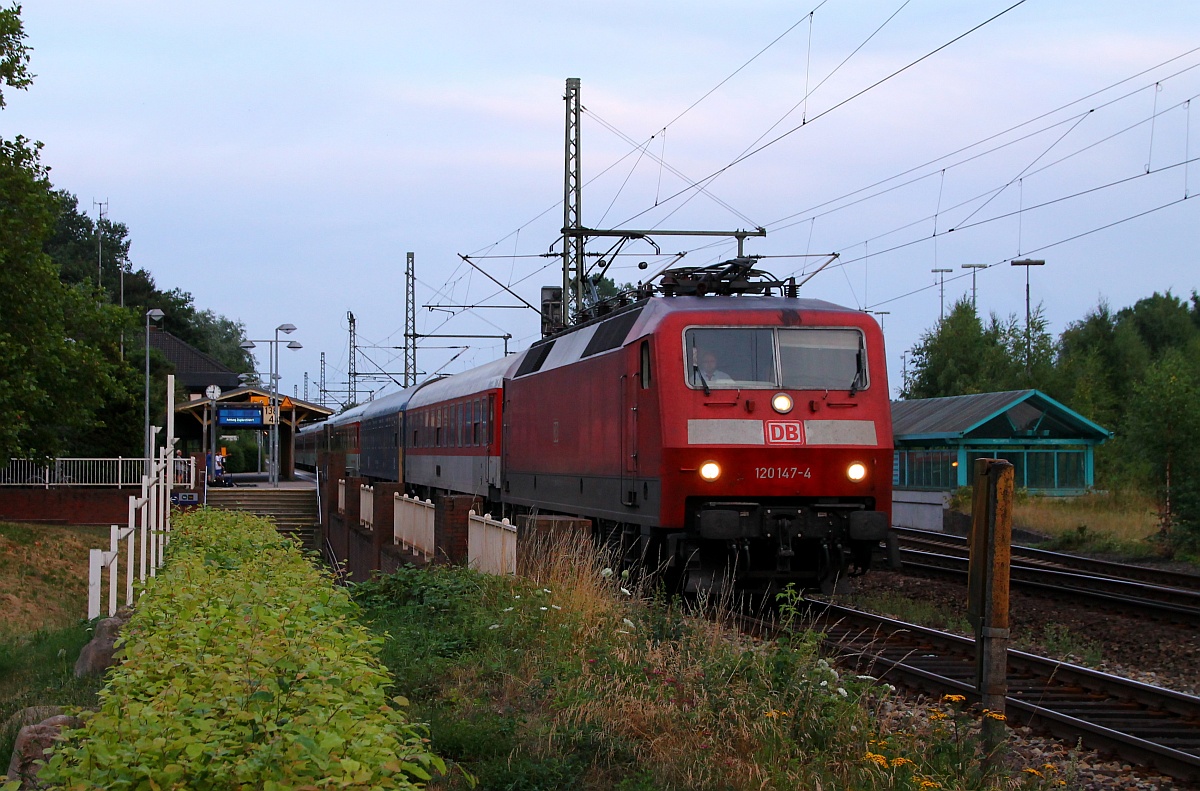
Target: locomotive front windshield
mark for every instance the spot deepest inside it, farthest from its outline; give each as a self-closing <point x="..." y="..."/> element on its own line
<point x="796" y="358"/>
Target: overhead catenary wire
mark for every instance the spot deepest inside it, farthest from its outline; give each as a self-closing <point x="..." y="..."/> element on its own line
<point x="1048" y="246"/>
<point x="699" y="184"/>
<point x="838" y="105"/>
<point x="1019" y="212"/>
<point x="966" y="222"/>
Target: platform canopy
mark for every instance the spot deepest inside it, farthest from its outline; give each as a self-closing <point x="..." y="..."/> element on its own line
<point x="1050" y="445"/>
<point x="246" y="407"/>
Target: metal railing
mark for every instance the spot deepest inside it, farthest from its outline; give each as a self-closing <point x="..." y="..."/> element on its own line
<point x="366" y="506"/>
<point x="119" y="472"/>
<point x="412" y="524"/>
<point x="491" y="544"/>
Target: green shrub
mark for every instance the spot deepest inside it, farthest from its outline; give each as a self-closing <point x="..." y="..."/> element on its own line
<point x="244" y="668"/>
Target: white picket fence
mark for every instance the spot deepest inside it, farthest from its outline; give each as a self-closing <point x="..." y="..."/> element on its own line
<point x="366" y="506"/>
<point x="149" y="523"/>
<point x="412" y="525"/>
<point x="491" y="544"/>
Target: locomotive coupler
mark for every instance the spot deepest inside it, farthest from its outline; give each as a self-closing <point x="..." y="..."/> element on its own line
<point x="783" y="524"/>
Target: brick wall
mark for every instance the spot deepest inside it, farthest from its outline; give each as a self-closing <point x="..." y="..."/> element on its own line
<point x="69" y="505"/>
<point x="450" y="527"/>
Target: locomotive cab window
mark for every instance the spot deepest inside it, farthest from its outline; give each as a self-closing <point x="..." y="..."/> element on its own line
<point x="797" y="358"/>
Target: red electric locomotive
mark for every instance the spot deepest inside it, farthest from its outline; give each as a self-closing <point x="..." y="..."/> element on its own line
<point x="743" y="438"/>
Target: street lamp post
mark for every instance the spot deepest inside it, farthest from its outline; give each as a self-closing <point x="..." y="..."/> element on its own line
<point x="941" y="273"/>
<point x="273" y="405"/>
<point x="1027" y="262"/>
<point x="974" y="268"/>
<point x="154" y="314"/>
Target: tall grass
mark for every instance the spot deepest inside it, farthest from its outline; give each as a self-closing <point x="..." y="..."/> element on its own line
<point x="574" y="676"/>
<point x="1126" y="516"/>
<point x="1122" y="523"/>
<point x="39" y="670"/>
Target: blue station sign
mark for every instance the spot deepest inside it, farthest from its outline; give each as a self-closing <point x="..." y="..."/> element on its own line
<point x="240" y="416"/>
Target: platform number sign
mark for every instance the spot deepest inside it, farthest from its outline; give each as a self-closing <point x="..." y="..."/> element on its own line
<point x="785" y="432"/>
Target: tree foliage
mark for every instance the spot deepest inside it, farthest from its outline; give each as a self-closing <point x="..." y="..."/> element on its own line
<point x="1135" y="371"/>
<point x="56" y="362"/>
<point x="14" y="52"/>
<point x="962" y="355"/>
<point x="65" y="385"/>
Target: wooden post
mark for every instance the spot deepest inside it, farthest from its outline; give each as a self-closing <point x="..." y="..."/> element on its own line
<point x="987" y="592"/>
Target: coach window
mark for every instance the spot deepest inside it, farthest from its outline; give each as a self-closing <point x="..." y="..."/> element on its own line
<point x="646" y="375"/>
<point x="487" y="419"/>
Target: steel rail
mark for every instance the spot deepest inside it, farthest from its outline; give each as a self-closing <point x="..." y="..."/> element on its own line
<point x="1033" y="555"/>
<point x="1173" y="604"/>
<point x="1143" y="724"/>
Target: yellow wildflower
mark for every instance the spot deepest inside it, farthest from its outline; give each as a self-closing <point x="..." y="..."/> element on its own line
<point x="954" y="698"/>
<point x="774" y="714"/>
<point x="877" y="759"/>
<point x="1031" y="771"/>
<point x="994" y="715"/>
<point x="937" y="715"/>
<point x="928" y="785"/>
<point x="897" y="762"/>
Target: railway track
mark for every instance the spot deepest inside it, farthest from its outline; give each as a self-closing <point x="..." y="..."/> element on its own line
<point x="1145" y="725"/>
<point x="1164" y="595"/>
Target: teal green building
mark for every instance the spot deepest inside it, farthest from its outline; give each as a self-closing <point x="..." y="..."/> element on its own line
<point x="1051" y="447"/>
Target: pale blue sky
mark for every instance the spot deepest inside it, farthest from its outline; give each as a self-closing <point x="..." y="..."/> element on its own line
<point x="278" y="159"/>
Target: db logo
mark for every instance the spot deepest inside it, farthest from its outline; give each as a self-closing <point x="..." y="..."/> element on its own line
<point x="784" y="433"/>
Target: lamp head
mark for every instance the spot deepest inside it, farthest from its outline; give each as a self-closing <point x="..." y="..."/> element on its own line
<point x="154" y="314"/>
<point x="287" y="328"/>
<point x="247" y="344"/>
<point x="295" y="345"/>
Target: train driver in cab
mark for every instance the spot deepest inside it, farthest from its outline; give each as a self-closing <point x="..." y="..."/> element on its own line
<point x="708" y="373"/>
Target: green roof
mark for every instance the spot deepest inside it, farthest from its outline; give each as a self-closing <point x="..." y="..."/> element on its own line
<point x="1025" y="415"/>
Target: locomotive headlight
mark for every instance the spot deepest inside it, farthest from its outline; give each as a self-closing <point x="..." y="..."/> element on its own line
<point x="710" y="470"/>
<point x="781" y="403"/>
<point x="856" y="471"/>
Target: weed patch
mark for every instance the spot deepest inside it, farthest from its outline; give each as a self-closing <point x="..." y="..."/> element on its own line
<point x="572" y="677"/>
<point x="39" y="670"/>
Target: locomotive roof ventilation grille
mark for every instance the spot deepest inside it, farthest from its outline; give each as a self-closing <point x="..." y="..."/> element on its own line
<point x="534" y="359"/>
<point x="612" y="333"/>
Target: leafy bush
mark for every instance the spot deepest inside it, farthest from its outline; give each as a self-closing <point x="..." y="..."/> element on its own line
<point x="244" y="668"/>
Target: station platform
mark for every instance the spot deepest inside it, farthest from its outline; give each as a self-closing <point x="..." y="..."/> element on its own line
<point x="260" y="480"/>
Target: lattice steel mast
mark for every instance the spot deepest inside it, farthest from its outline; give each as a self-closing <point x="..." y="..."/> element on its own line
<point x="410" y="321"/>
<point x="353" y="373"/>
<point x="573" y="243"/>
